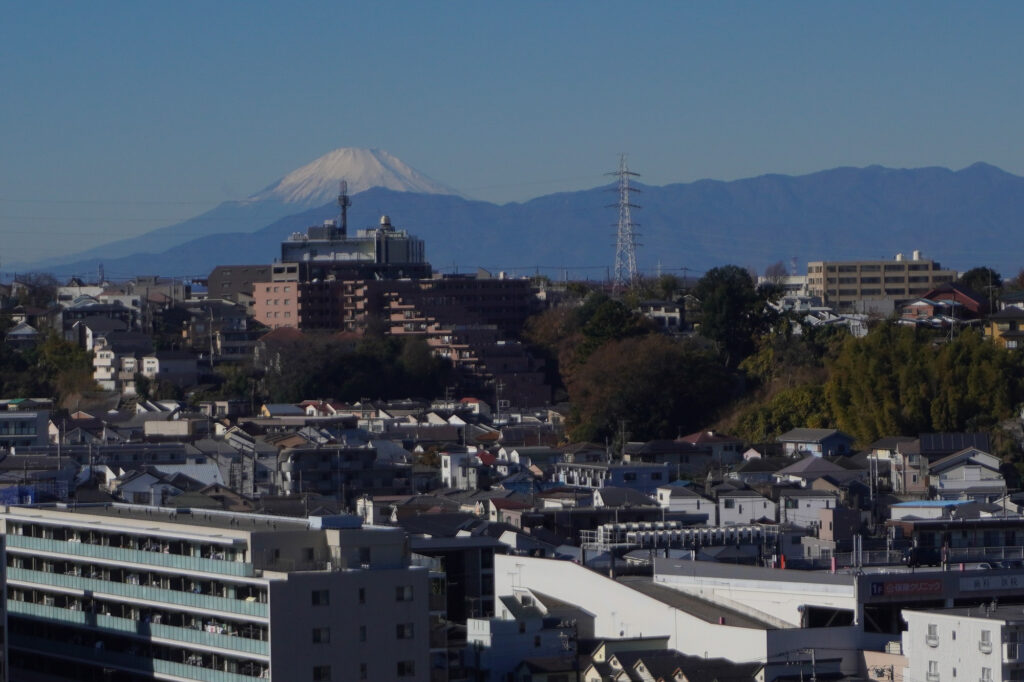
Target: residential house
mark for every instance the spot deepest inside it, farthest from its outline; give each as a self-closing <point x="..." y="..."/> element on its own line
<point x="21" y="336"/>
<point x="172" y="366"/>
<point x="725" y="450"/>
<point x="968" y="474"/>
<point x="744" y="507"/>
<point x="1006" y="327"/>
<point x="759" y="469"/>
<point x="667" y="315"/>
<point x="88" y="331"/>
<point x="683" y="498"/>
<point x="459" y="468"/>
<point x="610" y="496"/>
<point x="802" y="507"/>
<point x="811" y="468"/>
<point x="682" y="458"/>
<point x="525" y="625"/>
<point x="818" y="442"/>
<point x="116" y="360"/>
<point x="643" y="477"/>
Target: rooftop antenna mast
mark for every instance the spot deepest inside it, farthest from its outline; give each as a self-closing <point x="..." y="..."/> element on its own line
<point x="343" y="203"/>
<point x="625" y="242"/>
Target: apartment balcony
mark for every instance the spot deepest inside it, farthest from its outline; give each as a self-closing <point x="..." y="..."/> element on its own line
<point x="125" y="661"/>
<point x="133" y="556"/>
<point x="112" y="624"/>
<point x="99" y="587"/>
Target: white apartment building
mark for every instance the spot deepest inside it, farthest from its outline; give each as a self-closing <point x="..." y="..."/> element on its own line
<point x="101" y="592"/>
<point x="984" y="643"/>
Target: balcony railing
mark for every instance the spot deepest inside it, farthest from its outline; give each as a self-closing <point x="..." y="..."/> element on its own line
<point x="124" y="661"/>
<point x="134" y="556"/>
<point x="931" y="640"/>
<point x="157" y="594"/>
<point x="113" y="624"/>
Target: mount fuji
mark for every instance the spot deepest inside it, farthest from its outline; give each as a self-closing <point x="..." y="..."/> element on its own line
<point x="316" y="183"/>
<point x="963" y="218"/>
<point x="310" y="186"/>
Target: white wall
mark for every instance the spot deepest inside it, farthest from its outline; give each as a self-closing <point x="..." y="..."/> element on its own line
<point x="773" y="600"/>
<point x="620" y="611"/>
<point x="962" y="653"/>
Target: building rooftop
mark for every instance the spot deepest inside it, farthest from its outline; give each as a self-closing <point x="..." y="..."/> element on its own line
<point x="206" y="518"/>
<point x="1010" y="613"/>
<point x="705" y="610"/>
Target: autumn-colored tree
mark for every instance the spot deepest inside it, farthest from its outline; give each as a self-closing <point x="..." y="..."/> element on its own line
<point x="658" y="386"/>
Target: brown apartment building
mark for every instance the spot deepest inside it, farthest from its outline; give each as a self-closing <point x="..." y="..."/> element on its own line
<point x="874" y="286"/>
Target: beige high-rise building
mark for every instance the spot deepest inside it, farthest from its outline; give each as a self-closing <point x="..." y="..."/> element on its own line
<point x="874" y="285"/>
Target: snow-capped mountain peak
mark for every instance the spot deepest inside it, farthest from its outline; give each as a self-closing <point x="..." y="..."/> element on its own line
<point x="316" y="183"/>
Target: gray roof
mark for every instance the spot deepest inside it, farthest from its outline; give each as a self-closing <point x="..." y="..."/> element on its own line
<point x="810" y="435"/>
<point x="621" y="497"/>
<point x="705" y="610"/>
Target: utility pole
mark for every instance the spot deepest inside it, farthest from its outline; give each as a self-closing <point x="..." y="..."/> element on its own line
<point x="625" y="241"/>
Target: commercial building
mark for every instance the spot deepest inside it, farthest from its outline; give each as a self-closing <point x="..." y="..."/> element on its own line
<point x="122" y="592"/>
<point x="874" y="285"/>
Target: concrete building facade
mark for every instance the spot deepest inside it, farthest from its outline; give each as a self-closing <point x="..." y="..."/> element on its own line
<point x="96" y="591"/>
<point x="874" y="285"/>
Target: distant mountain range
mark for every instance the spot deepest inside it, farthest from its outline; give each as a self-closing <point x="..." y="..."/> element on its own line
<point x="962" y="218"/>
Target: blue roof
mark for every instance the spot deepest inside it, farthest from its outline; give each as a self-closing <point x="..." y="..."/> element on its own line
<point x="933" y="503"/>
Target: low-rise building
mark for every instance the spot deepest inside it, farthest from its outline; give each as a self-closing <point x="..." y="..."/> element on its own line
<point x="983" y="643"/>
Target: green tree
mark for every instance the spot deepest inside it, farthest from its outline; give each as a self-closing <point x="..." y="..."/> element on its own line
<point x="798" y="407"/>
<point x="981" y="280"/>
<point x="732" y="311"/>
<point x="897" y="380"/>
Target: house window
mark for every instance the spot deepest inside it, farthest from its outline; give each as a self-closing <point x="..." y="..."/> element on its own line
<point x="730" y="504"/>
<point x="362" y="595"/>
<point x="362" y="671"/>
<point x="406" y="669"/>
<point x="986" y="673"/>
<point x="362" y="633"/>
<point x="321" y="635"/>
<point x="403" y="593"/>
<point x="403" y="631"/>
<point x="321" y="598"/>
<point x="321" y="673"/>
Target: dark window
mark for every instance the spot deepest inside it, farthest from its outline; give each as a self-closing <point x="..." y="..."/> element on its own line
<point x="321" y="597"/>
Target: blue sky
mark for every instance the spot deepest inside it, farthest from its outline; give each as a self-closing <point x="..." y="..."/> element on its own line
<point x="120" y="117"/>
